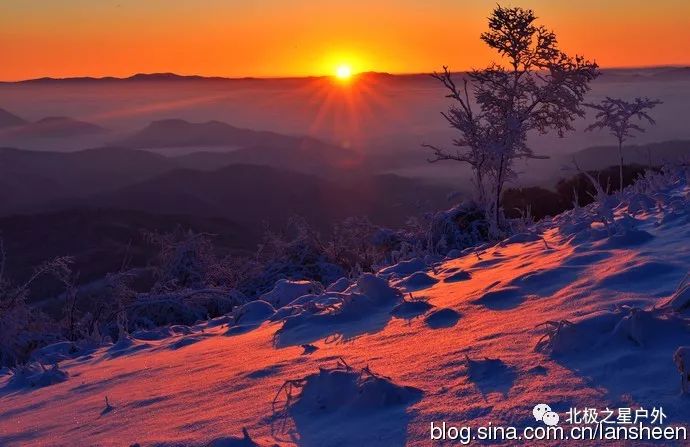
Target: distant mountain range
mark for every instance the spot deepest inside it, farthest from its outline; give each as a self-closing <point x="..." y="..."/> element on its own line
<point x="34" y="181"/>
<point x="656" y="154"/>
<point x="299" y="153"/>
<point x="136" y="77"/>
<point x="645" y="74"/>
<point x="13" y="126"/>
<point x="8" y="119"/>
<point x="261" y="176"/>
<point x="55" y="127"/>
<point x="167" y="77"/>
<point x="181" y="133"/>
<point x="610" y="74"/>
<point x="251" y="194"/>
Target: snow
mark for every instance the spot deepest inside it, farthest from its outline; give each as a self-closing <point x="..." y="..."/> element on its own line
<point x="442" y="318"/>
<point x="35" y="375"/>
<point x="409" y="309"/>
<point x="339" y="286"/>
<point x="458" y="275"/>
<point x="286" y="291"/>
<point x="587" y="309"/>
<point x="404" y="268"/>
<point x="416" y="281"/>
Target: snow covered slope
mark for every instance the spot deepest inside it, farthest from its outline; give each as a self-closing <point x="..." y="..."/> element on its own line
<point x="374" y="362"/>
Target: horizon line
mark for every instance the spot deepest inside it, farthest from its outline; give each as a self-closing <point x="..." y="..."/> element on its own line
<point x="283" y="77"/>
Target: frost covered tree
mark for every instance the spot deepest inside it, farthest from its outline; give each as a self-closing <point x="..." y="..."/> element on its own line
<point x="536" y="87"/>
<point x="621" y="118"/>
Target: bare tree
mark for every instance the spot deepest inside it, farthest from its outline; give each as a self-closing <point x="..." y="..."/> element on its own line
<point x="539" y="89"/>
<point x="617" y="116"/>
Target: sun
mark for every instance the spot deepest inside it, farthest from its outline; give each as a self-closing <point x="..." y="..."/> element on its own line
<point x="343" y="72"/>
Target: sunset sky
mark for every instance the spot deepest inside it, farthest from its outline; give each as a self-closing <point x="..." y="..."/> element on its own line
<point x="269" y="38"/>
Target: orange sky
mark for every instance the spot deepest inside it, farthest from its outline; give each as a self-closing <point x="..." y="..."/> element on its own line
<point x="63" y="38"/>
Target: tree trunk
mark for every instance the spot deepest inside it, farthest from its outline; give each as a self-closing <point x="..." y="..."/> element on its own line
<point x="499" y="187"/>
<point x="620" y="171"/>
<point x="480" y="185"/>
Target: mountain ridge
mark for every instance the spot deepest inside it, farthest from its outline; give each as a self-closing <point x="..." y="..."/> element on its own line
<point x="664" y="71"/>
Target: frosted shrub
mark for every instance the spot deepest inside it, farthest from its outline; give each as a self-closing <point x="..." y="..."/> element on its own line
<point x="459" y="227"/>
<point x="22" y="328"/>
<point x="180" y="307"/>
<point x="184" y="261"/>
<point x="298" y="252"/>
<point x="358" y="244"/>
<point x="36" y="375"/>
